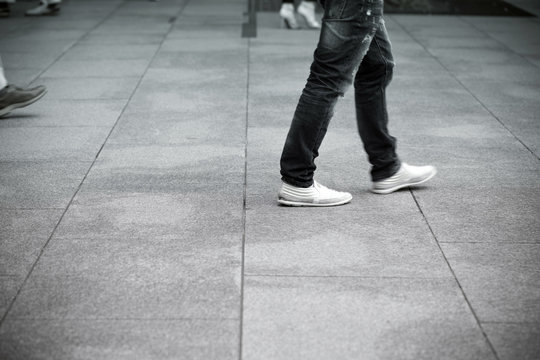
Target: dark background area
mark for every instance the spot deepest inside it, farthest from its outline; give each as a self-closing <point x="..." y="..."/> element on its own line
<point x="435" y="7"/>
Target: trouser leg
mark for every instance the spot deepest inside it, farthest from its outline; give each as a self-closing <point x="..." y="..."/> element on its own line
<point x="371" y="80"/>
<point x="347" y="31"/>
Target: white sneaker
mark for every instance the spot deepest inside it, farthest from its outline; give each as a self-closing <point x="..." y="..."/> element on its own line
<point x="315" y="195"/>
<point x="307" y="10"/>
<point x="44" y="9"/>
<point x="407" y="175"/>
<point x="287" y="14"/>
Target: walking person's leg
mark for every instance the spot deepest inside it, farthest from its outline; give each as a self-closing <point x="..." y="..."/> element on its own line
<point x="351" y="29"/>
<point x="373" y="76"/>
<point x="346" y="34"/>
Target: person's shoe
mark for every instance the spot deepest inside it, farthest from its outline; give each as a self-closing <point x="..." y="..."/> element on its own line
<point x="12" y="97"/>
<point x="5" y="11"/>
<point x="307" y="10"/>
<point x="406" y="176"/>
<point x="287" y="14"/>
<point x="315" y="195"/>
<point x="44" y="9"/>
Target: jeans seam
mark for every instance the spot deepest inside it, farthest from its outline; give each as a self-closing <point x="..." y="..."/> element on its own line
<point x="312" y="147"/>
<point x="342" y="9"/>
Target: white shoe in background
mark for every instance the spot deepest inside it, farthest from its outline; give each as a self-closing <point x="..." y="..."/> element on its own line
<point x="307" y="10"/>
<point x="287" y="14"/>
<point x="44" y="9"/>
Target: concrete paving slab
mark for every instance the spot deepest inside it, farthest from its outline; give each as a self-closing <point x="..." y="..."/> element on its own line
<point x="140" y="295"/>
<point x="88" y="51"/>
<point x="39" y="184"/>
<point x="203" y="47"/>
<point x="522" y="121"/>
<point x="129" y="279"/>
<point x="160" y="258"/>
<point x="213" y="77"/>
<point x="341" y="243"/>
<point x="534" y="59"/>
<point x="498" y="92"/>
<point x="35" y="46"/>
<point x="195" y="162"/>
<point x="89" y="88"/>
<point x="358" y="318"/>
<point x="201" y="65"/>
<point x="44" y="35"/>
<point x="422" y="27"/>
<point x="120" y="339"/>
<point x="106" y="177"/>
<point x="514" y="340"/>
<point x="93" y="39"/>
<point x="77" y="22"/>
<point x="9" y="285"/>
<point x="141" y="8"/>
<point x="488" y="215"/>
<point x="60" y="113"/>
<point x="458" y="43"/>
<point x="189" y="32"/>
<point x="502" y="281"/>
<point x="180" y="128"/>
<point x="73" y="69"/>
<point x="129" y="25"/>
<point x="51" y="143"/>
<point x="163" y="215"/>
<point x="21" y="60"/>
<point x="480" y="56"/>
<point x="23" y="233"/>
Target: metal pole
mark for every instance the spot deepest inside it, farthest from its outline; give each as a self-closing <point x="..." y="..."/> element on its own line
<point x="249" y="28"/>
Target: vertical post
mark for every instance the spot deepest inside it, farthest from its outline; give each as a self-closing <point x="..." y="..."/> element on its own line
<point x="249" y="28"/>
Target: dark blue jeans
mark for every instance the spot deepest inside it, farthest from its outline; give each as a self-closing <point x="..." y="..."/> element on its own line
<point x="353" y="38"/>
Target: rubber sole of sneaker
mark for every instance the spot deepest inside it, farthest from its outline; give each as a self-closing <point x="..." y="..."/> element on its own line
<point x="303" y="204"/>
<point x="47" y="13"/>
<point x="395" y="188"/>
<point x="12" y="107"/>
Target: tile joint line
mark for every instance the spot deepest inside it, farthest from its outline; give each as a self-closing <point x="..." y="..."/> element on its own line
<point x="244" y="208"/>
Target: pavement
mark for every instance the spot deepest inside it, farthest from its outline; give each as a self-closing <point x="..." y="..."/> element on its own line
<point x="138" y="213"/>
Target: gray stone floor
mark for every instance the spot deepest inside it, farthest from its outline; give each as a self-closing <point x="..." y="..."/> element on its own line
<point x="138" y="215"/>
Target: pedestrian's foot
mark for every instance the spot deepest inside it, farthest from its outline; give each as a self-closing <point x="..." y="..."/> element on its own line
<point x="287" y="15"/>
<point x="315" y="195"/>
<point x="406" y="176"/>
<point x="12" y="97"/>
<point x="44" y="9"/>
<point x="307" y="10"/>
<point x="4" y="9"/>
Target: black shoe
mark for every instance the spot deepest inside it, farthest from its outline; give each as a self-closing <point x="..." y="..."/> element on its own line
<point x="5" y="11"/>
